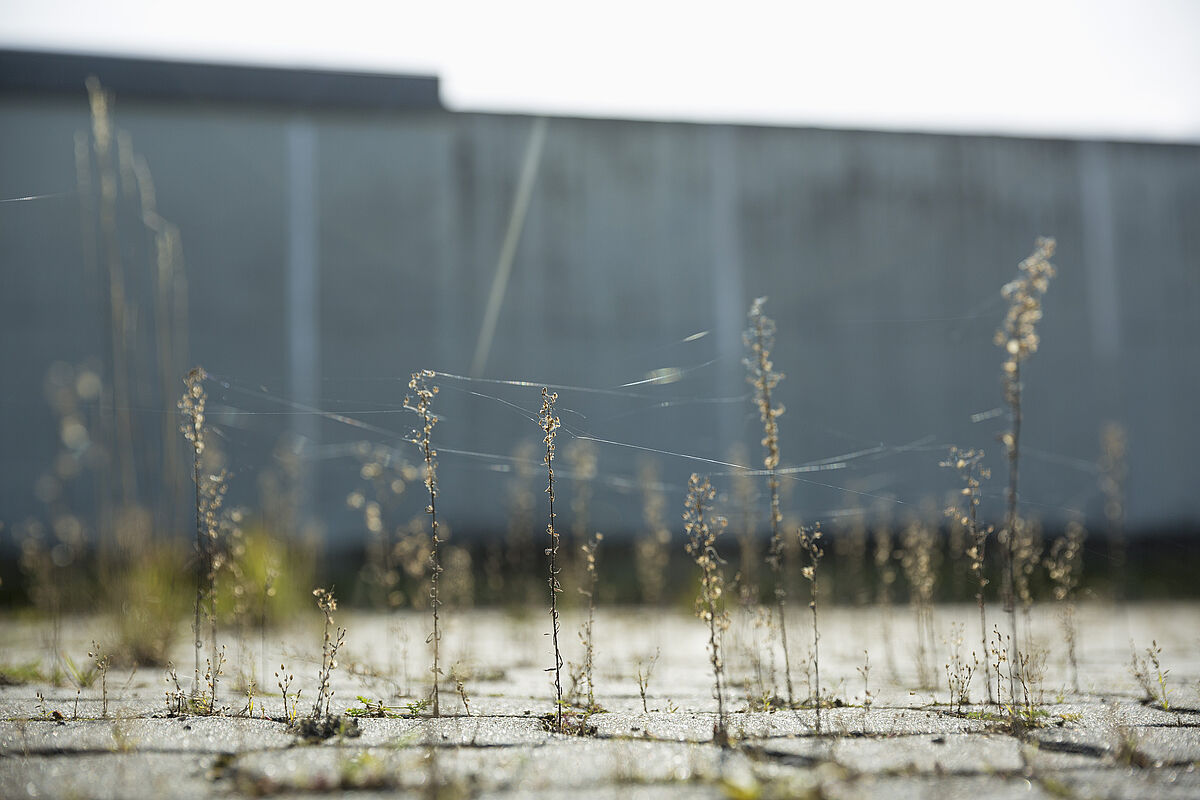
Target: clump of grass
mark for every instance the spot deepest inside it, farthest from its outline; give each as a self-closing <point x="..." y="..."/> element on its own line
<point x="424" y="393"/>
<point x="702" y="528"/>
<point x="810" y="547"/>
<point x="332" y="642"/>
<point x="759" y="339"/>
<point x="176" y="698"/>
<point x="959" y="671"/>
<point x="1148" y="672"/>
<point x="550" y="424"/>
<point x="969" y="464"/>
<point x="1065" y="564"/>
<point x="1019" y="339"/>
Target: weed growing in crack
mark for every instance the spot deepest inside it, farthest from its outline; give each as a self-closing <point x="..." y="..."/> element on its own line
<point x="102" y="661"/>
<point x="812" y="551"/>
<point x="969" y="464"/>
<point x="643" y="678"/>
<point x="461" y="688"/>
<point x="759" y="339"/>
<point x="210" y="494"/>
<point x="176" y="698"/>
<point x="550" y="424"/>
<point x="959" y="671"/>
<point x="212" y="675"/>
<point x="284" y="680"/>
<point x="332" y="642"/>
<point x="865" y="672"/>
<point x="424" y="393"/>
<point x="702" y="528"/>
<point x="1148" y="672"/>
<point x="1019" y="339"/>
<point x="999" y="655"/>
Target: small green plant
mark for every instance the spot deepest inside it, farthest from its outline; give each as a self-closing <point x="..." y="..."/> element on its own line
<point x="331" y="643"/>
<point x="702" y="528"/>
<point x="759" y="339"/>
<point x="1148" y="672"/>
<point x="865" y="672"/>
<point x="643" y="678"/>
<point x="371" y="708"/>
<point x="810" y="546"/>
<point x="424" y="393"/>
<point x="550" y="424"/>
<point x="102" y="661"/>
<point x="284" y="680"/>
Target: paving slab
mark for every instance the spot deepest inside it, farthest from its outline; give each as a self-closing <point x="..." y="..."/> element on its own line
<point x="938" y="753"/>
<point x="1102" y="741"/>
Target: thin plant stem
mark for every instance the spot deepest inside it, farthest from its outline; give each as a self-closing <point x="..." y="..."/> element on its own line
<point x="550" y="424"/>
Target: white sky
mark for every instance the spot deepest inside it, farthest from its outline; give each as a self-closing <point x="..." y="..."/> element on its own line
<point x="1095" y="68"/>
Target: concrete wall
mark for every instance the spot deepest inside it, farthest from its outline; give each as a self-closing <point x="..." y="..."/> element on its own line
<point x="330" y="254"/>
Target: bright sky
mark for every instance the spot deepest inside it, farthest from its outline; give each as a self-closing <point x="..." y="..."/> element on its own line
<point x="1093" y="68"/>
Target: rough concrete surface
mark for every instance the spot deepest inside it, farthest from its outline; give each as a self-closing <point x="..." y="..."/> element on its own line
<point x="115" y="738"/>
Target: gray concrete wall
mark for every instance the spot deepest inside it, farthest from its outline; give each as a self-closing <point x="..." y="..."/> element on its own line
<point x="328" y="255"/>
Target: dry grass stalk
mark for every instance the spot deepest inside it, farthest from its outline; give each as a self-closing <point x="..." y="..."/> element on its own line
<point x="585" y="635"/>
<point x="1065" y="565"/>
<point x="1019" y="339"/>
<point x="885" y="570"/>
<point x="759" y="340"/>
<point x="550" y="424"/>
<point x="702" y="528"/>
<point x="652" y="557"/>
<point x="330" y="645"/>
<point x="969" y="464"/>
<point x="643" y="678"/>
<point x="810" y="547"/>
<point x="210" y="497"/>
<point x="424" y="393"/>
<point x="917" y="560"/>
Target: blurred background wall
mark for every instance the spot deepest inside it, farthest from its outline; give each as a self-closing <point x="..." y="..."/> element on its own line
<point x="338" y="232"/>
